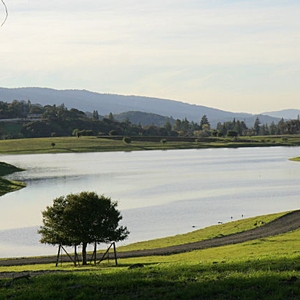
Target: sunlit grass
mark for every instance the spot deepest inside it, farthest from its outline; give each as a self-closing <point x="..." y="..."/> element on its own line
<point x="295" y="158"/>
<point x="282" y="245"/>
<point x="95" y="144"/>
<point x="181" y="277"/>
<point x="267" y="268"/>
<point x="205" y="233"/>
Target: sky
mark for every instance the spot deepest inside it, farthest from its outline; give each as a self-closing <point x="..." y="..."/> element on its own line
<point x="239" y="56"/>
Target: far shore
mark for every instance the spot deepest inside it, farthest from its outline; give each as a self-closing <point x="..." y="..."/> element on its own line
<point x="117" y="143"/>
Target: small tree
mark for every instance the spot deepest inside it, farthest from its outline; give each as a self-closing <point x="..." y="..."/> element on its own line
<point x="95" y="115"/>
<point x="82" y="218"/>
<point x="111" y="116"/>
<point x="256" y="126"/>
<point x="204" y="121"/>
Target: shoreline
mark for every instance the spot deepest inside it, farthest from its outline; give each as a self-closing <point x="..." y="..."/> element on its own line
<point x="286" y="223"/>
<point x="8" y="186"/>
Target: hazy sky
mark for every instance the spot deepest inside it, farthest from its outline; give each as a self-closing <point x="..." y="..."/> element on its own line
<point x="232" y="55"/>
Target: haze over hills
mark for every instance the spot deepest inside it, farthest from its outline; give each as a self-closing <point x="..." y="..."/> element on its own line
<point x="105" y="103"/>
<point x="285" y="114"/>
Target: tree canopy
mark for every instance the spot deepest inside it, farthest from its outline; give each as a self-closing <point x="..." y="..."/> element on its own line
<point x="82" y="218"/>
<point x="23" y="119"/>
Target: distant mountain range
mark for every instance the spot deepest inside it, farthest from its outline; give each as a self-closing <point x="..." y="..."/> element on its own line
<point x="285" y="114"/>
<point x="128" y="106"/>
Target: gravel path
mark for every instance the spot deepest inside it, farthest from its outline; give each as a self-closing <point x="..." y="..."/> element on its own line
<point x="286" y="223"/>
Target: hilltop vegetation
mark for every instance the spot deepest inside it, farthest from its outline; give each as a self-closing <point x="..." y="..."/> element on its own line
<point x="22" y="119"/>
<point x="105" y="103"/>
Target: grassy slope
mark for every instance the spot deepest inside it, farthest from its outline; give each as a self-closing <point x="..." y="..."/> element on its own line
<point x="203" y="234"/>
<point x="295" y="159"/>
<point x="6" y="169"/>
<point x="261" y="269"/>
<point x="7" y="186"/>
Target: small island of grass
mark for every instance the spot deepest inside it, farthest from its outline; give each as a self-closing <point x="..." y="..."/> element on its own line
<point x="7" y="186"/>
<point x="295" y="158"/>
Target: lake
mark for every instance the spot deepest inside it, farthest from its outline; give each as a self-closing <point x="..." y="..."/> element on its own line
<point x="159" y="193"/>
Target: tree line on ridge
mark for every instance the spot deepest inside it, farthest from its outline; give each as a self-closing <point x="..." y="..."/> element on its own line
<point x="22" y="119"/>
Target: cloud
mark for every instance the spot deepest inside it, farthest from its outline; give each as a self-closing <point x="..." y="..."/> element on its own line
<point x="160" y="48"/>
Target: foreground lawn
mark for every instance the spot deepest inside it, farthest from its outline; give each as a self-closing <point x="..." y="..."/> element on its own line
<point x="185" y="276"/>
<point x="266" y="268"/>
<point x="247" y="279"/>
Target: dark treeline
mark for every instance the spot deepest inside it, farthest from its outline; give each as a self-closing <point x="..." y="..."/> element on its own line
<point x="23" y="119"/>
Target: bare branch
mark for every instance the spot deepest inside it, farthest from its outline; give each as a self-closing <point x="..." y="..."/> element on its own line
<point x="6" y="12"/>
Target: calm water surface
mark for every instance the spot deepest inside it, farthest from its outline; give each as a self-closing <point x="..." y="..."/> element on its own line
<point x="160" y="193"/>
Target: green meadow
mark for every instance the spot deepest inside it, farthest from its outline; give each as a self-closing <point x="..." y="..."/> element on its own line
<point x="266" y="268"/>
<point x="96" y="144"/>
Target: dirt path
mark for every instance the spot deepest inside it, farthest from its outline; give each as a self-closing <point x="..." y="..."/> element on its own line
<point x="286" y="223"/>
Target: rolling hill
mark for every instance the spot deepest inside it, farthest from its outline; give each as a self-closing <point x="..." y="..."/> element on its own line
<point x="285" y="114"/>
<point x="105" y="103"/>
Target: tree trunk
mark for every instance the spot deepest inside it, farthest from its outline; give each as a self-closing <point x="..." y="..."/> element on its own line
<point x="84" y="262"/>
<point x="95" y="253"/>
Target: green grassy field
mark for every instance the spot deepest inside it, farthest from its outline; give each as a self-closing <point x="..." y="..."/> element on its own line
<point x="267" y="268"/>
<point x="94" y="144"/>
